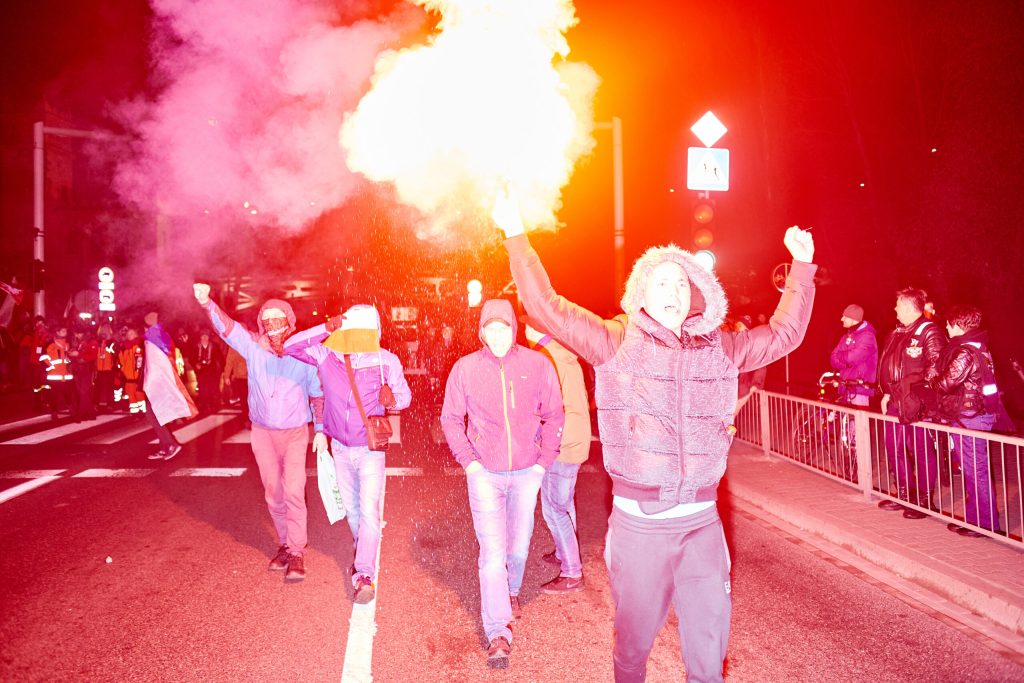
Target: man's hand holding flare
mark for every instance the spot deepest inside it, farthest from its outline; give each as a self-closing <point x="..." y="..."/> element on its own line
<point x="506" y="213"/>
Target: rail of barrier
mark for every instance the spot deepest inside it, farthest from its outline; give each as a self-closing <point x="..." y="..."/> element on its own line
<point x="967" y="477"/>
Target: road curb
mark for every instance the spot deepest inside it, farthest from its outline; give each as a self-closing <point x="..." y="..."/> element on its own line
<point x="983" y="597"/>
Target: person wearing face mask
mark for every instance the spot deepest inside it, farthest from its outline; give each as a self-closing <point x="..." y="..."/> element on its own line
<point x="666" y="388"/>
<point x="282" y="392"/>
<point x="166" y="397"/>
<point x="502" y="417"/>
<point x="360" y="379"/>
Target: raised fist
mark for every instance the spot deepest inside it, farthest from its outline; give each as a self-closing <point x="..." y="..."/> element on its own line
<point x="202" y="292"/>
<point x="800" y="244"/>
<point x="506" y="214"/>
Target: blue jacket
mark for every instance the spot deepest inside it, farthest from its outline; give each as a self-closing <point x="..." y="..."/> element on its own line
<point x="856" y="357"/>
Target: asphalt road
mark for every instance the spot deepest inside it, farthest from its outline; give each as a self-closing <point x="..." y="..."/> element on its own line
<point x="186" y="596"/>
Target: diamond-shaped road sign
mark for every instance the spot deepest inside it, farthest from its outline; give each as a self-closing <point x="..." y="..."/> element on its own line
<point x="709" y="129"/>
<point x="707" y="168"/>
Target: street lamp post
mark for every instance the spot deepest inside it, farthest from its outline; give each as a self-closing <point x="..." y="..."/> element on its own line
<point x="615" y="126"/>
<point x="39" y="132"/>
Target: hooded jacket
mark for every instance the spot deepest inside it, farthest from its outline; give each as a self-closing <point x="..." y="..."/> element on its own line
<point x="342" y="420"/>
<point x="856" y="357"/>
<point x="505" y="412"/>
<point x="966" y="373"/>
<point x="665" y="403"/>
<point x="282" y="390"/>
<point x="575" y="446"/>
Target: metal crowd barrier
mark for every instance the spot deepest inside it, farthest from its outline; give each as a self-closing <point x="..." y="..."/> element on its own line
<point x="877" y="455"/>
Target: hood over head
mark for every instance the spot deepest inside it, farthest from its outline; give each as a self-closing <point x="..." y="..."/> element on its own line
<point x="497" y="309"/>
<point x="278" y="304"/>
<point x="708" y="304"/>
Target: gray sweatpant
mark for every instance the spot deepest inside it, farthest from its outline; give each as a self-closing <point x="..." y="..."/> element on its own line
<point x="682" y="562"/>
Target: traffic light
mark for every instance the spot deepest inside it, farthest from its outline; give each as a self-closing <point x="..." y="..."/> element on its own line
<point x="703" y="221"/>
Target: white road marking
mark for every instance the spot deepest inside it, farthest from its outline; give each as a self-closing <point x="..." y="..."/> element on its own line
<point x="403" y="471"/>
<point x="9" y="426"/>
<point x="63" y="430"/>
<point x="362" y="624"/>
<point x="209" y="472"/>
<point x="193" y="431"/>
<point x="29" y="474"/>
<point x="243" y="436"/>
<point x="116" y="435"/>
<point x="16" y="491"/>
<point x="98" y="473"/>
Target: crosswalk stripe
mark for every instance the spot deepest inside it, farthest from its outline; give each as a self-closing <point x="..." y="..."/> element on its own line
<point x="119" y="434"/>
<point x="18" y="490"/>
<point x="403" y="471"/>
<point x="193" y="431"/>
<point x="30" y="474"/>
<point x="115" y="474"/>
<point x="63" y="430"/>
<point x="242" y="436"/>
<point x="10" y="426"/>
<point x="209" y="472"/>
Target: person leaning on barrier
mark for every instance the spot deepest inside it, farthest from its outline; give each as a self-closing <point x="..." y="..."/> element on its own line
<point x="666" y="389"/>
<point x="909" y="359"/>
<point x="968" y="397"/>
<point x="855" y="357"/>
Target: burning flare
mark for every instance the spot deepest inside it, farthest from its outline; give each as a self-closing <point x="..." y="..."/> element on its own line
<point x="489" y="103"/>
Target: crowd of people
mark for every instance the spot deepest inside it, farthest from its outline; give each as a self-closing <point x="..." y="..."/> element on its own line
<point x="927" y="372"/>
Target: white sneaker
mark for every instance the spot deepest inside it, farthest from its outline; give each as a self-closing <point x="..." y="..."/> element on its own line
<point x="159" y="455"/>
<point x="172" y="451"/>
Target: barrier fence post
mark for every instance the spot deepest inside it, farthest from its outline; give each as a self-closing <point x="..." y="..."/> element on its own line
<point x="865" y="476"/>
<point x="766" y="430"/>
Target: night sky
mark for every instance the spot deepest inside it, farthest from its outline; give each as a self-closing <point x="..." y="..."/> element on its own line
<point x="893" y="128"/>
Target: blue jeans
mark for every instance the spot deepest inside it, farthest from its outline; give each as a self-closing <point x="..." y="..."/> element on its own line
<point x="360" y="474"/>
<point x="906" y="442"/>
<point x="556" y="497"/>
<point x="503" y="505"/>
<point x="972" y="454"/>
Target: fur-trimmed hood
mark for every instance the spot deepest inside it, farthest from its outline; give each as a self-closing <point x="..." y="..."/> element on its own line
<point x="708" y="305"/>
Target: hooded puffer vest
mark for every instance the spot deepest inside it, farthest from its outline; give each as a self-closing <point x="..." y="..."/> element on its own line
<point x="664" y="406"/>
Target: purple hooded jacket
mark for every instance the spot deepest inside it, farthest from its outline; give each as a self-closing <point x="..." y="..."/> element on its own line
<point x="342" y="420"/>
<point x="513" y="404"/>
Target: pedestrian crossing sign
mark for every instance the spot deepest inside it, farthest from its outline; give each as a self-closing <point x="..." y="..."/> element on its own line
<point x="707" y="168"/>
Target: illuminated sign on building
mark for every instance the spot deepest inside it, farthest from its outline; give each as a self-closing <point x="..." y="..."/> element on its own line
<point x="106" y="289"/>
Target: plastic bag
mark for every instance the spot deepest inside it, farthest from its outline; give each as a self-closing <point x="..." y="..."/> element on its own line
<point x="327" y="482"/>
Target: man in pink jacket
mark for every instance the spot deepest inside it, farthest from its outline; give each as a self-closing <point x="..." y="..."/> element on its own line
<point x="496" y="403"/>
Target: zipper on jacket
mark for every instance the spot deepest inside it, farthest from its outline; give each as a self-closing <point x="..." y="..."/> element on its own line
<point x="504" y="412"/>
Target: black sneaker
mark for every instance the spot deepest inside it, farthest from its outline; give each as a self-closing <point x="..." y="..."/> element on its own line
<point x="963" y="531"/>
<point x="172" y="451"/>
<point x="280" y="561"/>
<point x="296" y="568"/>
<point x="497" y="653"/>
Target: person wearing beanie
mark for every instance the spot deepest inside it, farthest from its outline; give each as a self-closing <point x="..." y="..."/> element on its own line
<point x="665" y="389"/>
<point x="502" y="418"/>
<point x="283" y="396"/>
<point x="855" y="356"/>
<point x="558" y="490"/>
<point x="359" y="378"/>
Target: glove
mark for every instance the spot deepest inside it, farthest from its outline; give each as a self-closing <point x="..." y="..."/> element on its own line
<point x="202" y="293"/>
<point x="333" y="323"/>
<point x="319" y="442"/>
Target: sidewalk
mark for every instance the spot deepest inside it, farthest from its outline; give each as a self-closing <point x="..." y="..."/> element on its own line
<point x="980" y="575"/>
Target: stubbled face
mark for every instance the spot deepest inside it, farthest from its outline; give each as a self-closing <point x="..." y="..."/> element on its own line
<point x="906" y="311"/>
<point x="498" y="337"/>
<point x="849" y="322"/>
<point x="667" y="295"/>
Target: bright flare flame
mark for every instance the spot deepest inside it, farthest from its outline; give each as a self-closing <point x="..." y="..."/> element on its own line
<point x="489" y="103"/>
